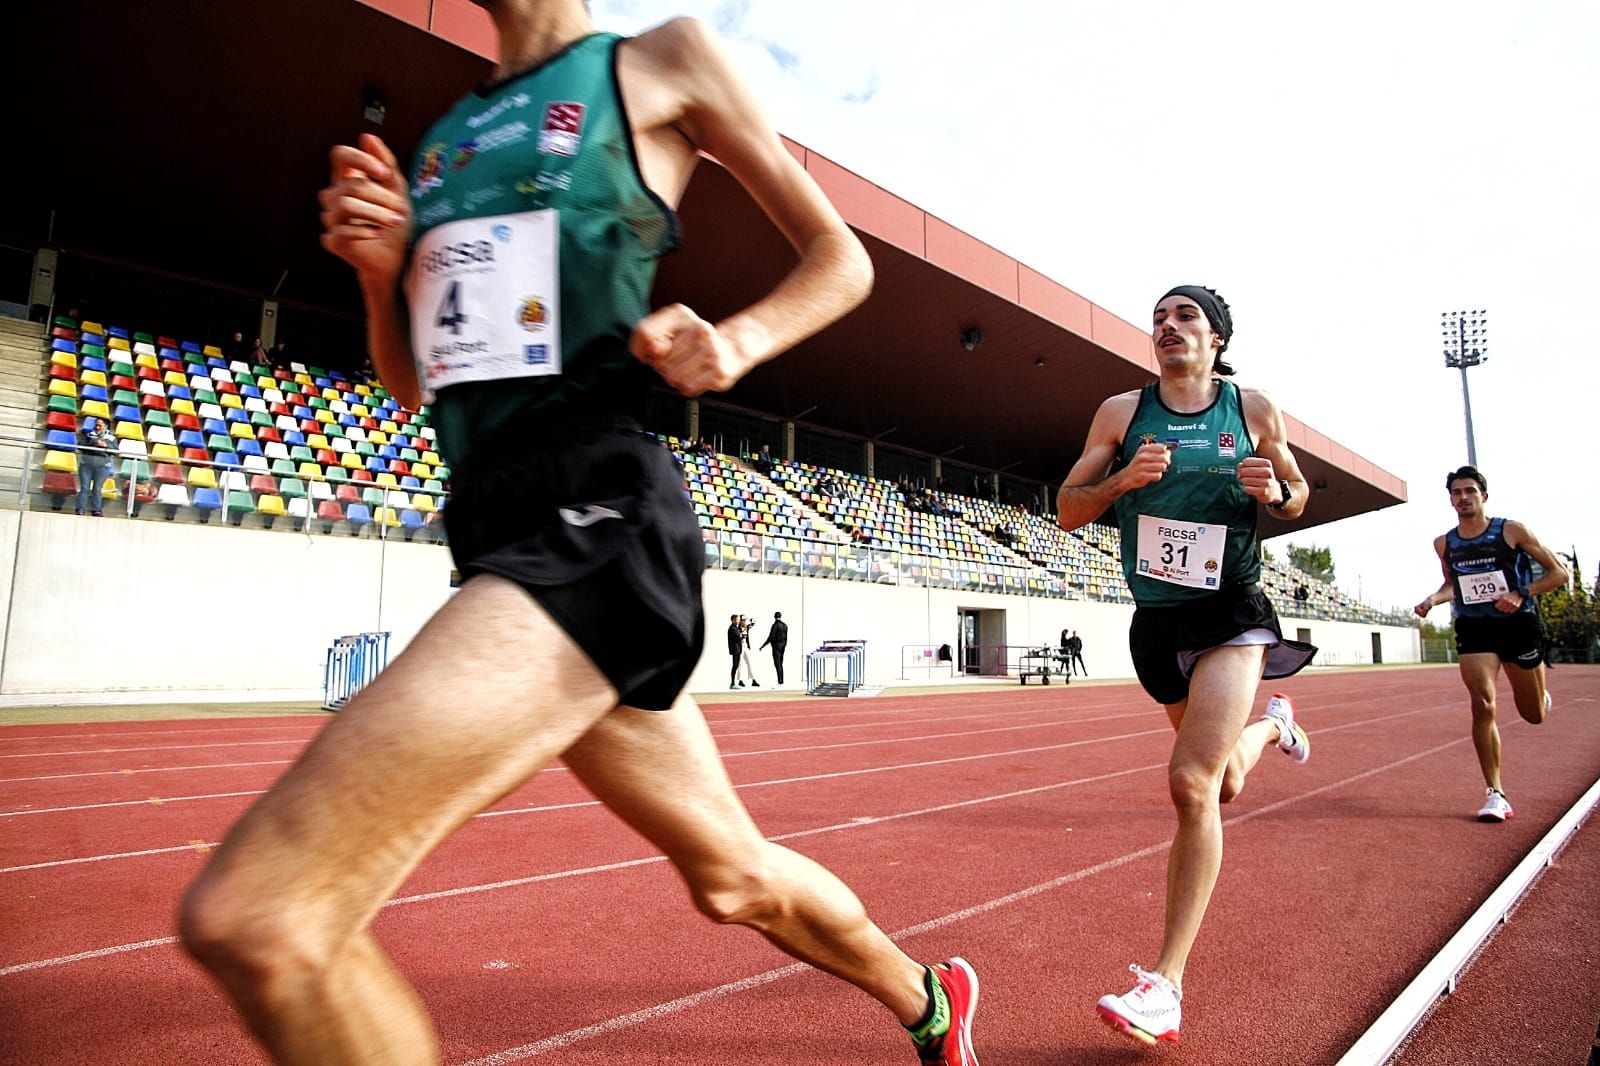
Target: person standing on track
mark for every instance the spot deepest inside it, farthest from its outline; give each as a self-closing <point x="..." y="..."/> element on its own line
<point x="526" y="240"/>
<point x="1187" y="462"/>
<point x="1488" y="582"/>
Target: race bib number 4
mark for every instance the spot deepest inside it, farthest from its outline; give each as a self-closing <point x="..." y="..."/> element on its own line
<point x="485" y="300"/>
<point x="1182" y="553"/>
<point x="1483" y="588"/>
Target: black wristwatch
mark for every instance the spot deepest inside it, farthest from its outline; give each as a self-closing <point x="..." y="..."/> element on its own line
<point x="1283" y="486"/>
<point x="1526" y="593"/>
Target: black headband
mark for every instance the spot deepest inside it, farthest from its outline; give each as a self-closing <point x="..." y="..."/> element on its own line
<point x="1216" y="311"/>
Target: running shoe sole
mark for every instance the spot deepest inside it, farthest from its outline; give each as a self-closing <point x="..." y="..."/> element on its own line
<point x="1127" y="1028"/>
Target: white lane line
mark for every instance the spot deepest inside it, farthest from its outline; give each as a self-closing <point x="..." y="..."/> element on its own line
<point x="197" y="845"/>
<point x="148" y="770"/>
<point x="153" y="801"/>
<point x="154" y="747"/>
<point x="228" y="729"/>
<point x="732" y="988"/>
<point x="912" y="930"/>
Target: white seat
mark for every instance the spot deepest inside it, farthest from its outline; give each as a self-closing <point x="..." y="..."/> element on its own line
<point x="199" y="383"/>
<point x="151" y="388"/>
<point x="275" y="450"/>
<point x="239" y="367"/>
<point x="160" y="435"/>
<point x="272" y="395"/>
<point x="255" y="464"/>
<point x="221" y="373"/>
<point x="235" y="480"/>
<point x="342" y="445"/>
<point x="320" y="490"/>
<point x="132" y="449"/>
<point x="210" y="410"/>
<point x="300" y="506"/>
<point x="173" y="494"/>
<point x="255" y="404"/>
<point x="144" y="348"/>
<point x="285" y="423"/>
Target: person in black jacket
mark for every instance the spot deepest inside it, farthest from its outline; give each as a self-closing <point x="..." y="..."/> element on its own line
<point x="778" y="638"/>
<point x="735" y="649"/>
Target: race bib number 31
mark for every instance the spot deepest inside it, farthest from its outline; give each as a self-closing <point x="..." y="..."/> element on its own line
<point x="1183" y="553"/>
<point x="485" y="300"/>
<point x="1483" y="588"/>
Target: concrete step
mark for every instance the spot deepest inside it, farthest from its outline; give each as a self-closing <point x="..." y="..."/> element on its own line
<point x="23" y="399"/>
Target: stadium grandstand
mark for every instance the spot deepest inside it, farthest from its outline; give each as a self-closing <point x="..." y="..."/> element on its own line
<point x="258" y="510"/>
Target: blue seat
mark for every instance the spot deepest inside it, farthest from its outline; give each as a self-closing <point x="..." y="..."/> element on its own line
<point x="376" y="465"/>
<point x="117" y="331"/>
<point x="249" y="392"/>
<point x="214" y="427"/>
<point x="92" y="362"/>
<point x="293" y="438"/>
<point x="323" y="382"/>
<point x="125" y="413"/>
<point x="237" y="414"/>
<point x="389" y="451"/>
<point x="169" y="353"/>
<point x="191" y="346"/>
<point x="410" y="519"/>
<point x="207" y="500"/>
<point x="410" y="483"/>
<point x="179" y="392"/>
<point x="191" y="438"/>
<point x="61" y="344"/>
<point x="349" y="420"/>
<point x="93" y="392"/>
<point x="358" y="515"/>
<point x="96" y="339"/>
<point x="227" y="460"/>
<point x="61" y="440"/>
<point x="246" y="446"/>
<point x="303" y="413"/>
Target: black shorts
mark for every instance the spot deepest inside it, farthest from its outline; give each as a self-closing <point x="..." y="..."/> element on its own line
<point x="1518" y="638"/>
<point x="591" y="518"/>
<point x="1164" y="641"/>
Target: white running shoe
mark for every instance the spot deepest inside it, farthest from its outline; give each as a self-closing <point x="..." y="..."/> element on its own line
<point x="1292" y="740"/>
<point x="1151" y="1011"/>
<point x="1496" y="808"/>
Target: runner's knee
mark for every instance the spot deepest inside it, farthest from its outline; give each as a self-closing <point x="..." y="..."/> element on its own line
<point x="738" y="893"/>
<point x="1192" y="787"/>
<point x="249" y="943"/>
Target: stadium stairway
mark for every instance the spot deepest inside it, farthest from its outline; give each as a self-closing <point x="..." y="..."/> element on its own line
<point x="22" y="345"/>
<point x="779" y="492"/>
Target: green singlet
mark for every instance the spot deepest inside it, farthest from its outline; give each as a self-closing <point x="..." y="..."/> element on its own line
<point x="1194" y="531"/>
<point x="543" y="160"/>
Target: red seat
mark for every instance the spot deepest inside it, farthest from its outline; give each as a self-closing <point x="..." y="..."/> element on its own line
<point x="399" y="467"/>
<point x="225" y="386"/>
<point x="64" y="333"/>
<point x="324" y="457"/>
<point x="330" y="511"/>
<point x="65" y="373"/>
<point x="166" y="342"/>
<point x="153" y="403"/>
<point x="361" y="475"/>
<point x="196" y="455"/>
<point x="185" y="422"/>
<point x="276" y="409"/>
<point x="123" y="381"/>
<point x="346" y="493"/>
<point x="268" y="433"/>
<point x="60" y="483"/>
<point x="169" y="473"/>
<point x="175" y="365"/>
<point x="264" y="484"/>
<point x="148" y="373"/>
<point x="61" y="420"/>
<point x="309" y="426"/>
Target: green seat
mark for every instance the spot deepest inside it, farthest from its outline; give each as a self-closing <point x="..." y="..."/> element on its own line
<point x="127" y="396"/>
<point x="204" y="396"/>
<point x="410" y="455"/>
<point x="263" y="372"/>
<point x="93" y="351"/>
<point x="64" y="404"/>
<point x="66" y="323"/>
<point x="158" y="418"/>
<point x="434" y="485"/>
<point x="318" y="403"/>
<point x="219" y="442"/>
<point x="372" y="497"/>
<point x="291" y="487"/>
<point x="124" y="369"/>
<point x="302" y="454"/>
<point x="337" y="473"/>
<point x="239" y="500"/>
<point x="316" y="371"/>
<point x="283" y="468"/>
<point x="261" y="418"/>
<point x="365" y="450"/>
<point x="143" y="338"/>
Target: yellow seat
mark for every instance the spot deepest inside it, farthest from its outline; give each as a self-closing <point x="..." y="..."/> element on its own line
<point x="387" y="480"/>
<point x="212" y="349"/>
<point x="119" y="344"/>
<point x="164" y="451"/>
<point x="231" y="399"/>
<point x="308" y="469"/>
<point x="377" y="438"/>
<point x="98" y="408"/>
<point x="421" y="470"/>
<point x="351" y="461"/>
<point x="362" y="390"/>
<point x="325" y="416"/>
<point x="93" y="327"/>
<point x="61" y="462"/>
<point x="66" y="359"/>
<point x="388" y="426"/>
<point x="173" y="378"/>
<point x="145" y="360"/>
<point x="239" y="430"/>
<point x="316" y="442"/>
<point x="271" y="505"/>
<point x="63" y="387"/>
<point x="108" y="491"/>
<point x="360" y="411"/>
<point x="92" y="377"/>
<point x="431" y="458"/>
<point x="423" y="502"/>
<point x="201" y="477"/>
<point x="181" y="407"/>
<point x="386" y="517"/>
<point x="129" y="431"/>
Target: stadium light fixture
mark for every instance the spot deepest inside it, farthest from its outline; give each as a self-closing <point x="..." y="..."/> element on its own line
<point x="1466" y="344"/>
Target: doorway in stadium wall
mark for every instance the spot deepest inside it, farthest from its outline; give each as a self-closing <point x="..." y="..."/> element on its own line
<point x="982" y="638"/>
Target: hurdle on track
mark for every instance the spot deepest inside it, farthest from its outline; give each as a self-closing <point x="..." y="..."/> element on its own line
<point x="351" y="663"/>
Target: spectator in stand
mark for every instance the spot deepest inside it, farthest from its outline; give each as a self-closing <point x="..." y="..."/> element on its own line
<point x="278" y="356"/>
<point x="763" y="461"/>
<point x="237" y="347"/>
<point x="1301" y="593"/>
<point x="94" y="463"/>
<point x="258" y="354"/>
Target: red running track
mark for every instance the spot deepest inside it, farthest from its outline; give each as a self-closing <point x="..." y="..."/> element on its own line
<point x="1025" y="829"/>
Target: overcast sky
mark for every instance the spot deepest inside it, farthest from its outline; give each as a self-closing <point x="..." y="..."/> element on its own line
<point x="1342" y="174"/>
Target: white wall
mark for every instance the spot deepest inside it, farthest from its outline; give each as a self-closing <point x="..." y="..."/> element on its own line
<point x="176" y="610"/>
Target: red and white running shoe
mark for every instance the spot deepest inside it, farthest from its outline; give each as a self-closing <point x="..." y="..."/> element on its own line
<point x="1151" y="1011"/>
<point x="959" y="983"/>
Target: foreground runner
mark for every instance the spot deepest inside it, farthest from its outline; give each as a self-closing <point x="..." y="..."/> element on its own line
<point x="567" y="519"/>
<point x="1185" y="461"/>
<point x="1488" y="582"/>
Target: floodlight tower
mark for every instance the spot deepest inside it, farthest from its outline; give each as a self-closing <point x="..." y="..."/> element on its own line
<point x="1466" y="343"/>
